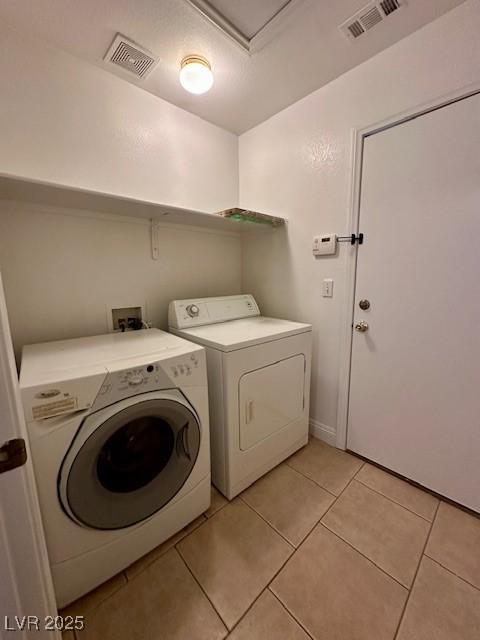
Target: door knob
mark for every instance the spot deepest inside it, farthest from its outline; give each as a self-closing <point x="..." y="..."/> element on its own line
<point x="361" y="326"/>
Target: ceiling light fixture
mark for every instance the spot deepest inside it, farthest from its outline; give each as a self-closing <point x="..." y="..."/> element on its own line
<point x="196" y="75"/>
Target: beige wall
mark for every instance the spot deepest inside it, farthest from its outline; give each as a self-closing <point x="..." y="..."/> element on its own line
<point x="68" y="122"/>
<point x="65" y="121"/>
<point x="298" y="164"/>
<point x="61" y="269"/>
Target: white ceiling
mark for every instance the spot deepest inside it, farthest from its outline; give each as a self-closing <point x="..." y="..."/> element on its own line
<point x="307" y="51"/>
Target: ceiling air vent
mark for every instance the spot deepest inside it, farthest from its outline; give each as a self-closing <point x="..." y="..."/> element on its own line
<point x="128" y="55"/>
<point x="369" y="17"/>
<point x="389" y="6"/>
<point x="356" y="29"/>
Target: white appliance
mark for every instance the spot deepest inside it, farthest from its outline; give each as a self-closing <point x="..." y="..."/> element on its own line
<point x="259" y="384"/>
<point x="119" y="437"/>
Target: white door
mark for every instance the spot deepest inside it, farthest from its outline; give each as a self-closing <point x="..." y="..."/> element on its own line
<point x="415" y="377"/>
<point x="25" y="583"/>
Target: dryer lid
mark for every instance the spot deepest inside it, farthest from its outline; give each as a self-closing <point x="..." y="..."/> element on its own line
<point x="245" y="332"/>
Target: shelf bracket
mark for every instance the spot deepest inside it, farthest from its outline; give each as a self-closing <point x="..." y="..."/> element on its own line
<point x="154" y="238"/>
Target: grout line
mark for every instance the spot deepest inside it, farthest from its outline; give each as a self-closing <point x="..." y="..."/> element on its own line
<point x="284" y="606"/>
<point x="314" y="526"/>
<point x="302" y="475"/>
<point x="416" y="485"/>
<point x="147" y="566"/>
<point x="348" y="543"/>
<point x="227" y="502"/>
<point x="402" y="614"/>
<point x="179" y="553"/>
<point x="266" y="586"/>
<point x="295" y="550"/>
<point x="248" y="609"/>
<point x="384" y="571"/>
<point x="360" y="552"/>
<point x="267" y="522"/>
<point x="97" y="601"/>
<point x="296" y="547"/>
<point x="330" y="447"/>
<point x="451" y="572"/>
<point x="339" y="495"/>
<point x="394" y="501"/>
<point x="359" y="468"/>
<point x="318" y="484"/>
<point x="274" y="575"/>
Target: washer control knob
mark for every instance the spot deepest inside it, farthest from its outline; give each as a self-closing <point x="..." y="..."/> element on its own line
<point x="193" y="310"/>
<point x="135" y="380"/>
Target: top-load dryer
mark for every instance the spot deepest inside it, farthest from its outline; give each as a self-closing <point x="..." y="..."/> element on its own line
<point x="259" y="384"/>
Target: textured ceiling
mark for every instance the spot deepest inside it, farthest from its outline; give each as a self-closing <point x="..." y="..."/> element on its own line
<point x="307" y="51"/>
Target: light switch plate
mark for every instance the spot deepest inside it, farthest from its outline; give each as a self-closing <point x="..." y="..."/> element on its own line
<point x="327" y="288"/>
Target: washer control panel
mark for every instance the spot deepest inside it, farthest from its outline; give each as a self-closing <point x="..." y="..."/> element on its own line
<point x="185" y="370"/>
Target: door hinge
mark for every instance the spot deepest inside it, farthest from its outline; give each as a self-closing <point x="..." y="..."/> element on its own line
<point x="352" y="238"/>
<point x="13" y="454"/>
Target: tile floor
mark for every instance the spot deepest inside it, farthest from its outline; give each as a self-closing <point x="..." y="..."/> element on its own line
<point x="323" y="547"/>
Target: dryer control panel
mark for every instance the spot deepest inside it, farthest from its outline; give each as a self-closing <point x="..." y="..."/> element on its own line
<point x="183" y="314"/>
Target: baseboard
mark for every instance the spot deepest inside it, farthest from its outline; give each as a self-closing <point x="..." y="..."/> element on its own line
<point x="323" y="432"/>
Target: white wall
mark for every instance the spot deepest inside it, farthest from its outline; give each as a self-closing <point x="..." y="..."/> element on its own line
<point x="65" y="121"/>
<point x="298" y="164"/>
<point x="60" y="269"/>
<point x="68" y="122"/>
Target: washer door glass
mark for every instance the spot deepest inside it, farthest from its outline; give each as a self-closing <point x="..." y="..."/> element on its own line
<point x="133" y="464"/>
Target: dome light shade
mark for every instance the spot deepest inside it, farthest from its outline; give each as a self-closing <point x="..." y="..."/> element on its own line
<point x="196" y="75"/>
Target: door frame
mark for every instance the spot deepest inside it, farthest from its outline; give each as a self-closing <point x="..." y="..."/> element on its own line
<point x="358" y="136"/>
<point x="27" y="582"/>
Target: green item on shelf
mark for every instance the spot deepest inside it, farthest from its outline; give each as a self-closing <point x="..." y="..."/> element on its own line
<point x="254" y="217"/>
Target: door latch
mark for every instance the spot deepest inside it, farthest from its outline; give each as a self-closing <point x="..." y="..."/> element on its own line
<point x="352" y="239"/>
<point x="361" y="326"/>
<point x="13" y="454"/>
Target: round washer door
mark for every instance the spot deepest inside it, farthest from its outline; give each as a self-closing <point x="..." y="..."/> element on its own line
<point x="131" y="464"/>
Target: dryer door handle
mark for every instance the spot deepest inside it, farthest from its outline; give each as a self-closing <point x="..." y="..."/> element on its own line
<point x="249" y="411"/>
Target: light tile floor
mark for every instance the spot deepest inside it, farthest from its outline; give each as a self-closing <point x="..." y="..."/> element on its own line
<point x="323" y="547"/>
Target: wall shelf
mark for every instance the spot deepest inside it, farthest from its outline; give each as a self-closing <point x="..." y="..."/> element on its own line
<point x="47" y="194"/>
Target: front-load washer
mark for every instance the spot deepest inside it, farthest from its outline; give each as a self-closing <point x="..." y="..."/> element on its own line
<point x="119" y="436"/>
<point x="259" y="384"/>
